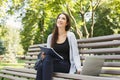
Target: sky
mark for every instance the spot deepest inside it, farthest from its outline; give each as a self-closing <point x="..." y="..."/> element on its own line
<point x="12" y="23"/>
<point x="13" y="20"/>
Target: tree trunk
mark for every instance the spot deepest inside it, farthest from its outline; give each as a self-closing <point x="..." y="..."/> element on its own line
<point x="92" y="26"/>
<point x="84" y="26"/>
<point x="76" y="26"/>
<point x="93" y="13"/>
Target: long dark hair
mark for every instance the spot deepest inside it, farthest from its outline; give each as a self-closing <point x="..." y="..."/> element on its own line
<point x="55" y="31"/>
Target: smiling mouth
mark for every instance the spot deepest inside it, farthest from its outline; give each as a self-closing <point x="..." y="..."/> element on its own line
<point x="60" y="23"/>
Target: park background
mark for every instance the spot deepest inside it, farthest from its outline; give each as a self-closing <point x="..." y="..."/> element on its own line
<point x="27" y="22"/>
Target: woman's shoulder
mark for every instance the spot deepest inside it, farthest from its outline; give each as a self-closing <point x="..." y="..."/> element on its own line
<point x="69" y="33"/>
<point x="50" y="35"/>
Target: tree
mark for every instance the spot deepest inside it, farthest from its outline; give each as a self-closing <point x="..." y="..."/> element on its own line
<point x="9" y="33"/>
<point x="2" y="34"/>
<point x="82" y="7"/>
<point x="2" y="48"/>
<point x="39" y="20"/>
<point x="33" y="24"/>
<point x="11" y="48"/>
<point x="107" y="18"/>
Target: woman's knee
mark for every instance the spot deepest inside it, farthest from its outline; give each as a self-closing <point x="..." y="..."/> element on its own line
<point x="47" y="63"/>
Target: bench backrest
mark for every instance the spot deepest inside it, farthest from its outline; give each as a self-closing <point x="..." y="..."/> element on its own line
<point x="107" y="47"/>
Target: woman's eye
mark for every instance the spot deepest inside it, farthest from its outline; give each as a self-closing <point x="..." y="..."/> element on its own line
<point x="63" y="18"/>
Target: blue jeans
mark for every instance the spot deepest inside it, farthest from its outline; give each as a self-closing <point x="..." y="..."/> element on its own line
<point x="51" y="65"/>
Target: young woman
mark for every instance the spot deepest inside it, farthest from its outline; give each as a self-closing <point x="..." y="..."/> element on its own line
<point x="64" y="43"/>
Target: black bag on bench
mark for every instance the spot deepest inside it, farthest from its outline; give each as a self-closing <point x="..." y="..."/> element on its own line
<point x="38" y="62"/>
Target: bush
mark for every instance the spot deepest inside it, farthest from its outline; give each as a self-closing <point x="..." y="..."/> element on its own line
<point x="2" y="48"/>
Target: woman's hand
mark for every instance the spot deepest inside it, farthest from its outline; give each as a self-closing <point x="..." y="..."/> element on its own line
<point x="43" y="55"/>
<point x="78" y="72"/>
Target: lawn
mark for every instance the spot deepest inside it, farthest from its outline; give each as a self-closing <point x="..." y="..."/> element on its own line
<point x="20" y="64"/>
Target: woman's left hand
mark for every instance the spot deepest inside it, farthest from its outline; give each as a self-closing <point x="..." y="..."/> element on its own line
<point x="78" y="72"/>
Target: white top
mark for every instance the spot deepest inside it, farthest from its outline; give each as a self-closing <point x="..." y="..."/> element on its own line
<point x="74" y="53"/>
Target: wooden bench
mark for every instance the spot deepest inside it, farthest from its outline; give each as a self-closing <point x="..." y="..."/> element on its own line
<point x="107" y="47"/>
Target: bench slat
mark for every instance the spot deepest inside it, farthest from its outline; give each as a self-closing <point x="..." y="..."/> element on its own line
<point x="100" y="38"/>
<point x="99" y="44"/>
<point x="101" y="50"/>
<point x="33" y="53"/>
<point x="25" y="70"/>
<point x="29" y="62"/>
<point x="110" y="57"/>
<point x="106" y="64"/>
<point x="11" y="77"/>
<point x="106" y="57"/>
<point x="19" y="74"/>
<point x="37" y="45"/>
<point x="83" y="77"/>
<point x="34" y="50"/>
<point x="19" y="70"/>
<point x="111" y="64"/>
<point x="29" y="66"/>
<point x="31" y="58"/>
<point x="109" y="71"/>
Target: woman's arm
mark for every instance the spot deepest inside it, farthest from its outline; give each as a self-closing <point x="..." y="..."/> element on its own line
<point x="49" y="41"/>
<point x="75" y="52"/>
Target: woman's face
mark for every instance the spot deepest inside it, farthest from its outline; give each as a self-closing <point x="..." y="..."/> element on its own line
<point x="61" y="21"/>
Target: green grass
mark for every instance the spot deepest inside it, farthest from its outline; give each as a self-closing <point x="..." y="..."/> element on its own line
<point x="20" y="63"/>
<point x="4" y="79"/>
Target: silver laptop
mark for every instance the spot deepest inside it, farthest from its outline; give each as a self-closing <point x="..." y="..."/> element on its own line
<point x="92" y="66"/>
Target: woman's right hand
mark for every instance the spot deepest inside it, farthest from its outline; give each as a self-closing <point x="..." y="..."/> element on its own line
<point x="43" y="55"/>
